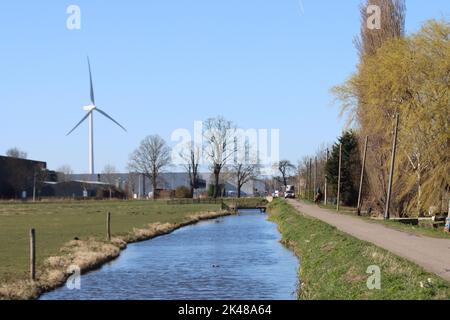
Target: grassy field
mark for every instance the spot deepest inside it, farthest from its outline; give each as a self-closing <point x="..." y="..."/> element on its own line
<point x="418" y="230"/>
<point x="59" y="222"/>
<point x="334" y="264"/>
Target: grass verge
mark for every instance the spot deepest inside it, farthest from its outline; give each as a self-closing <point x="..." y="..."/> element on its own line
<point x="417" y="230"/>
<point x="59" y="224"/>
<point x="334" y="264"/>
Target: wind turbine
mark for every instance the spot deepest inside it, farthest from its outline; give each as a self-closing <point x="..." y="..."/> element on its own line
<point x="90" y="114"/>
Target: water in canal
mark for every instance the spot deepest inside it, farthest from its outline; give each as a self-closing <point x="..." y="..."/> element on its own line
<point x="236" y="257"/>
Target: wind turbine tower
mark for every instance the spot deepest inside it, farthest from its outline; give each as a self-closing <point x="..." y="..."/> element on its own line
<point x="90" y="114"/>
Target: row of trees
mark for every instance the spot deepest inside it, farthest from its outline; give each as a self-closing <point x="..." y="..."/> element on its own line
<point x="226" y="156"/>
<point x="404" y="76"/>
<point x="221" y="150"/>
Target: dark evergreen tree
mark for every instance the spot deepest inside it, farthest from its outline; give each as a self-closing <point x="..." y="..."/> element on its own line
<point x="351" y="166"/>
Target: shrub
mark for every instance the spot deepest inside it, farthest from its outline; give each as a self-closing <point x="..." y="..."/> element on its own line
<point x="183" y="193"/>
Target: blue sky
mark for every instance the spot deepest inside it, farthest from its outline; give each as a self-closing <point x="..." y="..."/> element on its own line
<point x="161" y="65"/>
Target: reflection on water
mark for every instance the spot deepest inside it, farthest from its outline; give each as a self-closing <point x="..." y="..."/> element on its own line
<point x="235" y="257"/>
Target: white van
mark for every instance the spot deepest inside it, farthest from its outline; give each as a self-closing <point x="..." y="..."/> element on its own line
<point x="290" y="192"/>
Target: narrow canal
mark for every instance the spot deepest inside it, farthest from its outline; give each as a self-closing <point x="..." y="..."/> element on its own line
<point x="236" y="257"/>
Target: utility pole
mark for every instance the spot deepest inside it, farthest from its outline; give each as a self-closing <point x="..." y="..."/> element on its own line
<point x="339" y="178"/>
<point x="391" y="173"/>
<point x="307" y="181"/>
<point x="315" y="175"/>
<point x="34" y="186"/>
<point x="326" y="182"/>
<point x="362" y="176"/>
<point x="310" y="178"/>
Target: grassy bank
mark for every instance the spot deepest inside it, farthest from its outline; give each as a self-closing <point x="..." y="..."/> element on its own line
<point x="420" y="230"/>
<point x="334" y="264"/>
<point x="58" y="224"/>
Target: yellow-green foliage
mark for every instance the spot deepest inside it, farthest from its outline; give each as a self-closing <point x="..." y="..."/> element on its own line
<point x="409" y="76"/>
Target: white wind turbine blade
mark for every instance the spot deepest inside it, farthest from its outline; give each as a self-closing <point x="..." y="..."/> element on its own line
<point x="110" y="118"/>
<point x="84" y="118"/>
<point x="92" y="86"/>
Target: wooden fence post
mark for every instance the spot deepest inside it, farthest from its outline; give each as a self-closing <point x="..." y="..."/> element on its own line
<point x="108" y="226"/>
<point x="32" y="254"/>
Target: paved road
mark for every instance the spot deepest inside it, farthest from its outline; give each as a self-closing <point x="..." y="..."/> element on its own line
<point x="430" y="253"/>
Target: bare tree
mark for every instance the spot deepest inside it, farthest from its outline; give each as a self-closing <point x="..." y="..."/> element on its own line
<point x="131" y="183"/>
<point x="245" y="167"/>
<point x="16" y="153"/>
<point x="109" y="175"/>
<point x="191" y="156"/>
<point x="40" y="175"/>
<point x="285" y="167"/>
<point x="219" y="135"/>
<point x="152" y="156"/>
<point x="64" y="172"/>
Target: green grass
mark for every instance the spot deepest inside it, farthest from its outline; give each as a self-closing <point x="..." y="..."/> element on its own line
<point x="417" y="230"/>
<point x="334" y="264"/>
<point x="59" y="222"/>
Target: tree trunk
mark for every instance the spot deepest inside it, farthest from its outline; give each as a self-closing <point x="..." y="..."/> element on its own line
<point x="419" y="194"/>
<point x="239" y="191"/>
<point x="154" y="186"/>
<point x="216" y="185"/>
<point x="143" y="185"/>
<point x="217" y="168"/>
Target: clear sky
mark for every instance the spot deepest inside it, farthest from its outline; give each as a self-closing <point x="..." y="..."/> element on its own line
<point x="161" y="65"/>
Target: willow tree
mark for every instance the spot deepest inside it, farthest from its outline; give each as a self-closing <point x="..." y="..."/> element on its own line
<point x="408" y="76"/>
<point x="354" y="94"/>
<point x="426" y="136"/>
